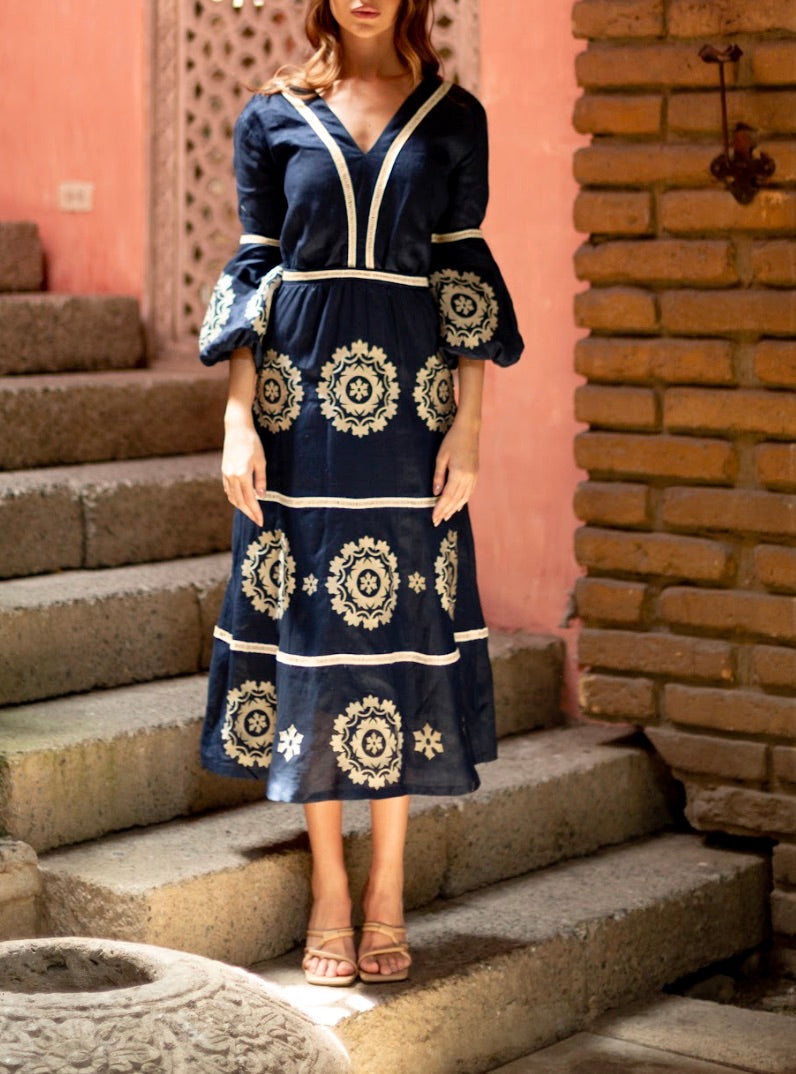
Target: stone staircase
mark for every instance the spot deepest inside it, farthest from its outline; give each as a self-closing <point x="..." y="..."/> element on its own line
<point x="563" y="887"/>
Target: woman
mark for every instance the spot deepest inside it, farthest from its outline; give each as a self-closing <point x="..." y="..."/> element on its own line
<point x="350" y="659"/>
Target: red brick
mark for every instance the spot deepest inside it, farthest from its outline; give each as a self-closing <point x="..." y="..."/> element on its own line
<point x="739" y="810"/>
<point x="618" y="309"/>
<point x="774" y="665"/>
<point x="719" y="410"/>
<point x="698" y="113"/>
<point x="617" y="18"/>
<point x="615" y="164"/>
<point x="775" y="363"/>
<point x="612" y="503"/>
<point x="746" y="711"/>
<point x="784" y="155"/>
<point x="709" y="754"/>
<point x="692" y="18"/>
<point x="658" y="261"/>
<point x="774" y="63"/>
<point x="614" y="697"/>
<point x="644" y="65"/>
<point x="784" y="764"/>
<point x="681" y="457"/>
<point x="618" y="113"/>
<point x="659" y="554"/>
<point x="776" y="465"/>
<point x="731" y="311"/>
<point x="783" y="908"/>
<point x="775" y="567"/>
<point x="608" y="600"/>
<point x="717" y="210"/>
<point x="775" y="262"/>
<point x="785" y="863"/>
<point x="616" y="408"/>
<point x="680" y="361"/>
<point x="656" y="654"/>
<point x="745" y="510"/>
<point x="729" y="610"/>
<point x="601" y="212"/>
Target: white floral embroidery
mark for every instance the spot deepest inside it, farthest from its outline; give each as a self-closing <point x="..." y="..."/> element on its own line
<point x="417" y="582"/>
<point x="290" y="742"/>
<point x="363" y="582"/>
<point x="310" y="585"/>
<point x="359" y="389"/>
<point x="258" y="308"/>
<point x="279" y="392"/>
<point x="434" y="396"/>
<point x="468" y="308"/>
<point x="218" y="311"/>
<point x="446" y="567"/>
<point x="249" y="724"/>
<point x="368" y="741"/>
<point x="428" y="741"/>
<point x="269" y="573"/>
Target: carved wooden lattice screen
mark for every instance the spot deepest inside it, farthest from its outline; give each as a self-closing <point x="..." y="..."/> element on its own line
<point x="206" y="55"/>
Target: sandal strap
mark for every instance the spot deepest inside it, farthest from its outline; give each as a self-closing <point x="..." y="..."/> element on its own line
<point x="326" y="935"/>
<point x="316" y="952"/>
<point x="389" y="930"/>
<point x="399" y="949"/>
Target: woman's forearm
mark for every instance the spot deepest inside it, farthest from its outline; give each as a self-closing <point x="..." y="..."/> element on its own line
<point x="242" y="383"/>
<point x="471" y="390"/>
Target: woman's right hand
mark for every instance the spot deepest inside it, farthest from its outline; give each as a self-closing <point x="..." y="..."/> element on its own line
<point x="242" y="458"/>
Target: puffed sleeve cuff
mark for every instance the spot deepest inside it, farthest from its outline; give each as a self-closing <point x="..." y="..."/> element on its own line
<point x="476" y="314"/>
<point x="240" y="306"/>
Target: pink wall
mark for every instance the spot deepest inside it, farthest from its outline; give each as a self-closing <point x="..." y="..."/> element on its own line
<point x="522" y="511"/>
<point x="74" y="108"/>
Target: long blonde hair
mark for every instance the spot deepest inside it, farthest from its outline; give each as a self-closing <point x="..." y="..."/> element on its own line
<point x="315" y="75"/>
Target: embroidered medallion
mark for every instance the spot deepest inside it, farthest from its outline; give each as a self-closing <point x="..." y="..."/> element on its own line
<point x="428" y="741"/>
<point x="269" y="573"/>
<point x="446" y="567"/>
<point x="249" y="724"/>
<point x="258" y="308"/>
<point x="368" y="742"/>
<point x="279" y="392"/>
<point x="359" y="389"/>
<point x="363" y="582"/>
<point x="468" y="308"/>
<point x="434" y="396"/>
<point x="290" y="742"/>
<point x="218" y="311"/>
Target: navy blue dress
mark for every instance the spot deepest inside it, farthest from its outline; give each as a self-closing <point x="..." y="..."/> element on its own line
<point x="350" y="656"/>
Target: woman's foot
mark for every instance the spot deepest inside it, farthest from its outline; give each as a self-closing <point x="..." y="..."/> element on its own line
<point x="339" y="956"/>
<point x="385" y="906"/>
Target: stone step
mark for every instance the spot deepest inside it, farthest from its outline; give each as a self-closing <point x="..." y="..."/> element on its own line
<point x="21" y="258"/>
<point x="234" y="885"/>
<point x="60" y="418"/>
<point x="54" y="333"/>
<point x="112" y="513"/>
<point x="505" y="970"/>
<point x="64" y="633"/>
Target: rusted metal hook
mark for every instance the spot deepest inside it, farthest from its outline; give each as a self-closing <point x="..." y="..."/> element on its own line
<point x="737" y="167"/>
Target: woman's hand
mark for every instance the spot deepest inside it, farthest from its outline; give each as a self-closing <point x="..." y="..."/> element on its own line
<point x="243" y="456"/>
<point x="456" y="471"/>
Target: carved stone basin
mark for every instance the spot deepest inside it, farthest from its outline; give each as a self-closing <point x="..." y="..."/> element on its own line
<point x="88" y="1006"/>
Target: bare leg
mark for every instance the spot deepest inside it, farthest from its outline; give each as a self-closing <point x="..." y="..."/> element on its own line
<point x="383" y="895"/>
<point x="331" y="907"/>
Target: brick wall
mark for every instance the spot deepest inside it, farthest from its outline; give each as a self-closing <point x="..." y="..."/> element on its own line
<point x="689" y="510"/>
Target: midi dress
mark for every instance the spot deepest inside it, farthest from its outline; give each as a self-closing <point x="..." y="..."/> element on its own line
<point x="350" y="655"/>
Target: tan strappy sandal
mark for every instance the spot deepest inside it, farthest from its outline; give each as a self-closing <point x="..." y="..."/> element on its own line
<point x="399" y="946"/>
<point x="319" y="938"/>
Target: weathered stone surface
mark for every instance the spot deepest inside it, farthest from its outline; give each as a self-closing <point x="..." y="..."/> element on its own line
<point x="543" y="954"/>
<point x="20" y="888"/>
<point x="528" y="673"/>
<point x="21" y="259"/>
<point x="52" y="333"/>
<point x="97" y="1005"/>
<point x="103" y="628"/>
<point x="57" y="419"/>
<point x="740" y="810"/>
<point x="601" y="1055"/>
<point x="556" y="793"/>
<point x="41" y="524"/>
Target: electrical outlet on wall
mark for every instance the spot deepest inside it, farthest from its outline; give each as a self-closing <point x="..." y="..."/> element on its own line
<point x="76" y="196"/>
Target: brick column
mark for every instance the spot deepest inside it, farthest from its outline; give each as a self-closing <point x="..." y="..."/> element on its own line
<point x="689" y="512"/>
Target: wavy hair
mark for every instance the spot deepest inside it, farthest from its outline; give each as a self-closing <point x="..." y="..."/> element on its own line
<point x="315" y="75"/>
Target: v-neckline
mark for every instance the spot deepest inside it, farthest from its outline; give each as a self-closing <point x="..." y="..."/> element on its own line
<point x="391" y="122"/>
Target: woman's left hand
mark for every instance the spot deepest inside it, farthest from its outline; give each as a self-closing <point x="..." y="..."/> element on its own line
<point x="456" y="472"/>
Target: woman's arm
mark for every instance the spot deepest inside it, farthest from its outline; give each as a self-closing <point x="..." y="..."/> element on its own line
<point x="243" y="452"/>
<point x="458" y="454"/>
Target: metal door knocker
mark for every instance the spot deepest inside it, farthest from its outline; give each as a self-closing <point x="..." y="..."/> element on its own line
<point x="737" y="167"/>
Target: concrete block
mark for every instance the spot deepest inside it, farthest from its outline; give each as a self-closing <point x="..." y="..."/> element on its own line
<point x="601" y="1055"/>
<point x="20" y="888"/>
<point x="53" y="333"/>
<point x="41" y="524"/>
<point x="102" y="628"/>
<point x="56" y="419"/>
<point x="21" y="259"/>
<point x="528" y="672"/>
